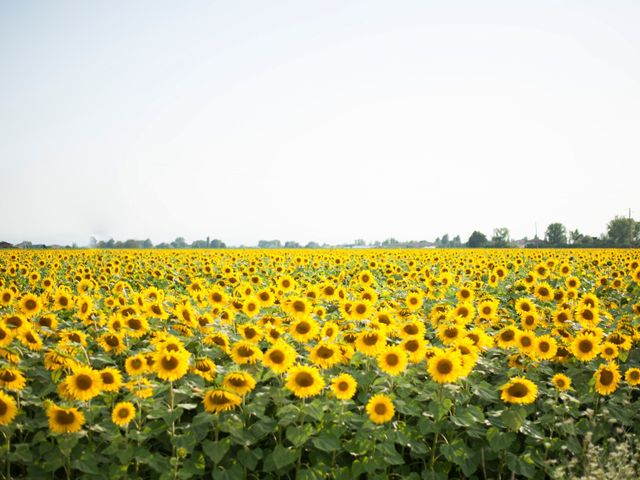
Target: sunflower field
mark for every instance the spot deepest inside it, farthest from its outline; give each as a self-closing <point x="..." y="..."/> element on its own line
<point x="313" y="364"/>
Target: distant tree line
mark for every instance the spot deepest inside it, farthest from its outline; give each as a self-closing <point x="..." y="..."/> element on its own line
<point x="179" y="242"/>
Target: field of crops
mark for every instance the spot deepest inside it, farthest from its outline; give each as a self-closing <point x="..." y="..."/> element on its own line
<point x="316" y="364"/>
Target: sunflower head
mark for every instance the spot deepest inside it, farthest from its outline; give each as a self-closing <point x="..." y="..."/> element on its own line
<point x="380" y="409"/>
<point x="519" y="390"/>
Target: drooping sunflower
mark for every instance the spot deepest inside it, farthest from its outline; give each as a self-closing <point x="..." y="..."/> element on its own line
<point x="112" y="342"/>
<point x="205" y="368"/>
<point x="216" y="401"/>
<point x="326" y="354"/>
<point x="6" y="336"/>
<point x="444" y="366"/>
<point x="171" y="366"/>
<point x="280" y="357"/>
<point x="31" y="340"/>
<point x="607" y="378"/>
<point x="561" y="381"/>
<point x="123" y="413"/>
<point x="344" y="386"/>
<point x="65" y="420"/>
<point x="8" y="408"/>
<point x="304" y="381"/>
<point x="585" y="347"/>
<point x="240" y="383"/>
<point x="519" y="390"/>
<point x="393" y="360"/>
<point x="371" y="342"/>
<point x="380" y="409"/>
<point x="217" y="339"/>
<point x="632" y="376"/>
<point x="16" y="323"/>
<point x="84" y="384"/>
<point x="244" y="352"/>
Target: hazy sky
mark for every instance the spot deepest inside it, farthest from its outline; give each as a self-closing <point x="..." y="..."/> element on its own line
<point x="325" y="121"/>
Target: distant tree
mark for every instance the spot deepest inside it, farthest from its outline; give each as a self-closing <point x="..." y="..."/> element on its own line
<point x="359" y="242"/>
<point x="163" y="245"/>
<point x="456" y="242"/>
<point x="477" y="240"/>
<point x="575" y="236"/>
<point x="199" y="244"/>
<point x="390" y="242"/>
<point x="623" y="231"/>
<point x="147" y="243"/>
<point x="291" y="244"/>
<point x="556" y="235"/>
<point x="312" y="245"/>
<point x="269" y="244"/>
<point x="217" y="243"/>
<point x="500" y="237"/>
<point x="93" y="243"/>
<point x="179" y="242"/>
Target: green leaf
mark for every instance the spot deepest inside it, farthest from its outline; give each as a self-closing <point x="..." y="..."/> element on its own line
<point x="249" y="457"/>
<point x="310" y="474"/>
<point x="466" y="417"/>
<point x="439" y="409"/>
<point x="459" y="453"/>
<point x="522" y="465"/>
<point x="390" y="454"/>
<point x="216" y="450"/>
<point x="283" y="456"/>
<point x="188" y="406"/>
<point x="499" y="440"/>
<point x="326" y="442"/>
<point x="298" y="435"/>
<point x="514" y="417"/>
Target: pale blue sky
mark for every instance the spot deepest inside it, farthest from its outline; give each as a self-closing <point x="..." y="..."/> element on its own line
<point x="324" y="121"/>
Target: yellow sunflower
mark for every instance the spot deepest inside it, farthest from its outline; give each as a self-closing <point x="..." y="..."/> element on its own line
<point x="84" y="384"/>
<point x="444" y="366"/>
<point x="171" y="366"/>
<point x="111" y="379"/>
<point x="304" y="381"/>
<point x="325" y="354"/>
<point x="244" y="352"/>
<point x="561" y="381"/>
<point x="123" y="413"/>
<point x="519" y="390"/>
<point x="371" y="343"/>
<point x="344" y="386"/>
<point x="65" y="420"/>
<point x="216" y="401"/>
<point x="280" y="357"/>
<point x="8" y="408"/>
<point x="607" y="378"/>
<point x="585" y="347"/>
<point x="393" y="360"/>
<point x="380" y="409"/>
<point x="30" y="305"/>
<point x="240" y="383"/>
<point x="632" y="376"/>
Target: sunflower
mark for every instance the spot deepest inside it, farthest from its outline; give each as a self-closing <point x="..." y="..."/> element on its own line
<point x="47" y="321"/>
<point x="519" y="390"/>
<point x="304" y="329"/>
<point x="449" y="333"/>
<point x="609" y="351"/>
<point x="31" y="340"/>
<point x="507" y="337"/>
<point x="8" y="408"/>
<point x="286" y="283"/>
<point x="529" y="320"/>
<point x="607" y="378"/>
<point x="219" y="340"/>
<point x="361" y="310"/>
<point x="140" y="387"/>
<point x="585" y="347"/>
<point x="63" y="300"/>
<point x="543" y="291"/>
<point x="415" y="347"/>
<point x="84" y="384"/>
<point x="136" y="326"/>
<point x="112" y="342"/>
<point x="632" y="376"/>
<point x="588" y="316"/>
<point x="216" y="401"/>
<point x="444" y="366"/>
<point x="412" y="328"/>
<point x="111" y="379"/>
<point x="371" y="343"/>
<point x="244" y="352"/>
<point x="16" y="323"/>
<point x="488" y="309"/>
<point x="524" y="305"/>
<point x="30" y="305"/>
<point x="123" y="413"/>
<point x="325" y="354"/>
<point x="239" y="383"/>
<point x="217" y="297"/>
<point x="344" y="386"/>
<point x="6" y="335"/>
<point x="205" y="368"/>
<point x="136" y="365"/>
<point x="380" y="409"/>
<point x="251" y="306"/>
<point x="546" y="347"/>
<point x="561" y="381"/>
<point x="280" y="357"/>
<point x="65" y="420"/>
<point x="413" y="301"/>
<point x="393" y="360"/>
<point x="526" y="342"/>
<point x="304" y="381"/>
<point x="171" y="366"/>
<point x="329" y="330"/>
<point x="6" y="297"/>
